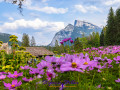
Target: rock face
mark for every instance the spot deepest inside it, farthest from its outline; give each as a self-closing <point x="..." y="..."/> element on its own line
<point x="77" y="30"/>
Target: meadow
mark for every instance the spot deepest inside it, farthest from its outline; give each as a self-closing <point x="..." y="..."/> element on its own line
<point x="91" y="69"/>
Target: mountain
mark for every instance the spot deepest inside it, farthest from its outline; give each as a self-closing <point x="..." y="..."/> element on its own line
<point x="5" y="38"/>
<point x="77" y="30"/>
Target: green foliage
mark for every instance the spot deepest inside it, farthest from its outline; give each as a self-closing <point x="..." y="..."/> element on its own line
<point x="78" y="45"/>
<point x="93" y="40"/>
<point x="21" y="48"/>
<point x="25" y="40"/>
<point x="84" y="41"/>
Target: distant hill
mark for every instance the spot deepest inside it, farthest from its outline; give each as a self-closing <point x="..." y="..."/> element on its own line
<point x="5" y="38"/>
<point x="75" y="31"/>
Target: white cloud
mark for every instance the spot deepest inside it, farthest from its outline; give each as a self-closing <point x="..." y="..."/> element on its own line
<point x="41" y="39"/>
<point x="11" y="18"/>
<point x="31" y="5"/>
<point x="111" y="2"/>
<point x="80" y="8"/>
<point x="36" y="24"/>
<point x="49" y="10"/>
<point x="45" y="0"/>
<point x="86" y="9"/>
<point x="46" y="9"/>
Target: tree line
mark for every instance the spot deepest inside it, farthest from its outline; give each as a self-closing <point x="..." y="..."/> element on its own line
<point x="110" y="34"/>
<point x="26" y="41"/>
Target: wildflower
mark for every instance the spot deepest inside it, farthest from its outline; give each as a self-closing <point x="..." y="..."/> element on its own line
<point x="2" y="73"/>
<point x="25" y="67"/>
<point x="75" y="65"/>
<point x="44" y="65"/>
<point x="2" y="77"/>
<point x="71" y="41"/>
<point x="12" y="86"/>
<point x="61" y="43"/>
<point x="50" y="74"/>
<point x="118" y="80"/>
<point x="15" y="75"/>
<point x="27" y="80"/>
<point x="99" y="86"/>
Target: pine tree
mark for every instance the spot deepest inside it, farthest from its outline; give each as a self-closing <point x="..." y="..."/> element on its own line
<point x="117" y="19"/>
<point x="32" y="43"/>
<point x="56" y="43"/>
<point x="25" y="40"/>
<point x="97" y="39"/>
<point x="102" y="37"/>
<point x="110" y="34"/>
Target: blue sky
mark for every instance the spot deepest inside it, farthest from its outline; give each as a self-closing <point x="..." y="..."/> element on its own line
<point x="43" y="18"/>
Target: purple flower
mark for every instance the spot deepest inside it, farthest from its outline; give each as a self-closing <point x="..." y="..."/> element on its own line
<point x="50" y="74"/>
<point x="2" y="77"/>
<point x="27" y="80"/>
<point x="44" y="65"/>
<point x="61" y="43"/>
<point x="69" y="38"/>
<point x="51" y="60"/>
<point x="117" y="59"/>
<point x="14" y="75"/>
<point x="24" y="68"/>
<point x="99" y="86"/>
<point x="2" y="73"/>
<point x="71" y="41"/>
<point x="117" y="80"/>
<point x="75" y="65"/>
<point x="12" y="86"/>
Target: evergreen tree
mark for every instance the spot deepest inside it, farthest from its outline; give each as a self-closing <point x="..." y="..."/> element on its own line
<point x="56" y="43"/>
<point x="117" y="32"/>
<point x="97" y="39"/>
<point x="78" y="45"/>
<point x="110" y="34"/>
<point x="25" y="40"/>
<point x="32" y="43"/>
<point x="102" y="37"/>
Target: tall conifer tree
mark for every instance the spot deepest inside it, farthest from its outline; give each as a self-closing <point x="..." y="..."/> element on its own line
<point x="110" y="35"/>
<point x="117" y="32"/>
<point x="25" y="40"/>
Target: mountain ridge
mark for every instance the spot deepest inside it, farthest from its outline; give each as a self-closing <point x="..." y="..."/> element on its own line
<point x="75" y="31"/>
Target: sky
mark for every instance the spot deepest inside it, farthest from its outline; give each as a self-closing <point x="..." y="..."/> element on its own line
<point x="43" y="18"/>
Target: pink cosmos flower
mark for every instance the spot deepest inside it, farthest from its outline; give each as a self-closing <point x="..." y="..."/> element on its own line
<point x="44" y="65"/>
<point x="2" y="77"/>
<point x="12" y="86"/>
<point x="118" y="80"/>
<point x="50" y="74"/>
<point x="99" y="86"/>
<point x="2" y="73"/>
<point x="24" y="68"/>
<point x="117" y="59"/>
<point x="14" y="75"/>
<point x="75" y="65"/>
<point x="61" y="43"/>
<point x="27" y="80"/>
<point x="71" y="41"/>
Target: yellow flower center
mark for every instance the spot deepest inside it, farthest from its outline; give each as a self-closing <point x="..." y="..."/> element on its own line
<point x="74" y="65"/>
<point x="12" y="85"/>
<point x="85" y="63"/>
<point x="15" y="75"/>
